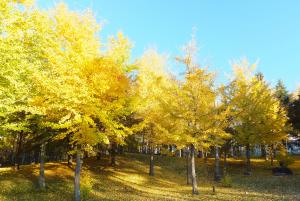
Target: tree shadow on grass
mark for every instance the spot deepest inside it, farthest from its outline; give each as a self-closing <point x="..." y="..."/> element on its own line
<point x="130" y="176"/>
<point x="261" y="181"/>
<point x="23" y="184"/>
<point x="259" y="185"/>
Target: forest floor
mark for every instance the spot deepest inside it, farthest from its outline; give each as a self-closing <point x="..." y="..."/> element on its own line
<point x="129" y="180"/>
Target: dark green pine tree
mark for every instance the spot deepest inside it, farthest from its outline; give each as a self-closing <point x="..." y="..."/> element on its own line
<point x="294" y="115"/>
<point x="282" y="94"/>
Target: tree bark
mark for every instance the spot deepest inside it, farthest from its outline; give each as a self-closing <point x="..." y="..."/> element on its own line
<point x="98" y="155"/>
<point x="232" y="151"/>
<point x="217" y="164"/>
<point x="77" y="175"/>
<point x="70" y="156"/>
<point x="194" y="179"/>
<point x="19" y="147"/>
<point x="14" y="154"/>
<point x="70" y="159"/>
<point x="248" y="165"/>
<point x="263" y="151"/>
<point x="23" y="158"/>
<point x="151" y="168"/>
<point x="120" y="150"/>
<point x="272" y="154"/>
<point x="143" y="144"/>
<point x="188" y="167"/>
<point x="113" y="154"/>
<point x="42" y="183"/>
<point x="205" y="157"/>
<point x="267" y="153"/>
<point x="225" y="162"/>
<point x="36" y="156"/>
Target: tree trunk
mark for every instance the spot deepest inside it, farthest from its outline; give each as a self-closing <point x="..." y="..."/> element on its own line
<point x="267" y="153"/>
<point x="70" y="156"/>
<point x="42" y="183"/>
<point x="19" y="147"/>
<point x="205" y="157"/>
<point x="217" y="164"/>
<point x="272" y="154"/>
<point x="194" y="179"/>
<point x="113" y="154"/>
<point x="263" y="151"/>
<point x="225" y="162"/>
<point x="14" y="154"/>
<point x="120" y="150"/>
<point x="23" y="158"/>
<point x="143" y="144"/>
<point x="248" y="165"/>
<point x="70" y="159"/>
<point x="36" y="156"/>
<point x="98" y="155"/>
<point x="151" y="168"/>
<point x="188" y="168"/>
<point x="77" y="175"/>
<point x="232" y="151"/>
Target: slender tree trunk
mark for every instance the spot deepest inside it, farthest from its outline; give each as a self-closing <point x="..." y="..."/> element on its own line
<point x="70" y="159"/>
<point x="217" y="164"/>
<point x="188" y="167"/>
<point x="147" y="148"/>
<point x="42" y="183"/>
<point x="151" y="168"/>
<point x="36" y="156"/>
<point x="205" y="157"/>
<point x="232" y="151"/>
<point x="248" y="165"/>
<point x="77" y="174"/>
<point x="225" y="162"/>
<point x="23" y="158"/>
<point x="267" y="153"/>
<point x="194" y="179"/>
<point x="272" y="154"/>
<point x="113" y="154"/>
<point x="263" y="151"/>
<point x="98" y="155"/>
<point x="143" y="143"/>
<point x="70" y="156"/>
<point x="19" y="147"/>
<point x="14" y="154"/>
<point x="120" y="150"/>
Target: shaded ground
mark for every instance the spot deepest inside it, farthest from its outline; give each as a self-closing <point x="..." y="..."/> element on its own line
<point x="129" y="180"/>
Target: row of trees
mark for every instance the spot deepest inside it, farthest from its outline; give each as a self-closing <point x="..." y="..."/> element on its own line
<point x="59" y="81"/>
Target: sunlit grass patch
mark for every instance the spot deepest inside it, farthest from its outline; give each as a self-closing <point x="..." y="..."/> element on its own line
<point x="130" y="181"/>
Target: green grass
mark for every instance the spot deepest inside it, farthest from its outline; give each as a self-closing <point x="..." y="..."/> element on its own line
<point x="129" y="180"/>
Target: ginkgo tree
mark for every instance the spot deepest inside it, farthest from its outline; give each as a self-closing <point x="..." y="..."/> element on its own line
<point x="21" y="57"/>
<point x="258" y="117"/>
<point x="193" y="107"/>
<point x="93" y="88"/>
<point x="82" y="91"/>
<point x="58" y="80"/>
<point x="151" y="84"/>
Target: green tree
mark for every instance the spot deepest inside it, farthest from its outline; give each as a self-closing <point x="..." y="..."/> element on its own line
<point x="282" y="93"/>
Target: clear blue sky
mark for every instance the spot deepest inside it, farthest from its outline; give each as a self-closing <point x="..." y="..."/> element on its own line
<point x="267" y="30"/>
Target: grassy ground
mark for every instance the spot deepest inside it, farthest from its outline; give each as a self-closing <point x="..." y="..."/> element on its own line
<point x="129" y="180"/>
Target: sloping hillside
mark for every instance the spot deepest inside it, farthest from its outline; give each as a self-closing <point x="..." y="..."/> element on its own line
<point x="129" y="180"/>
